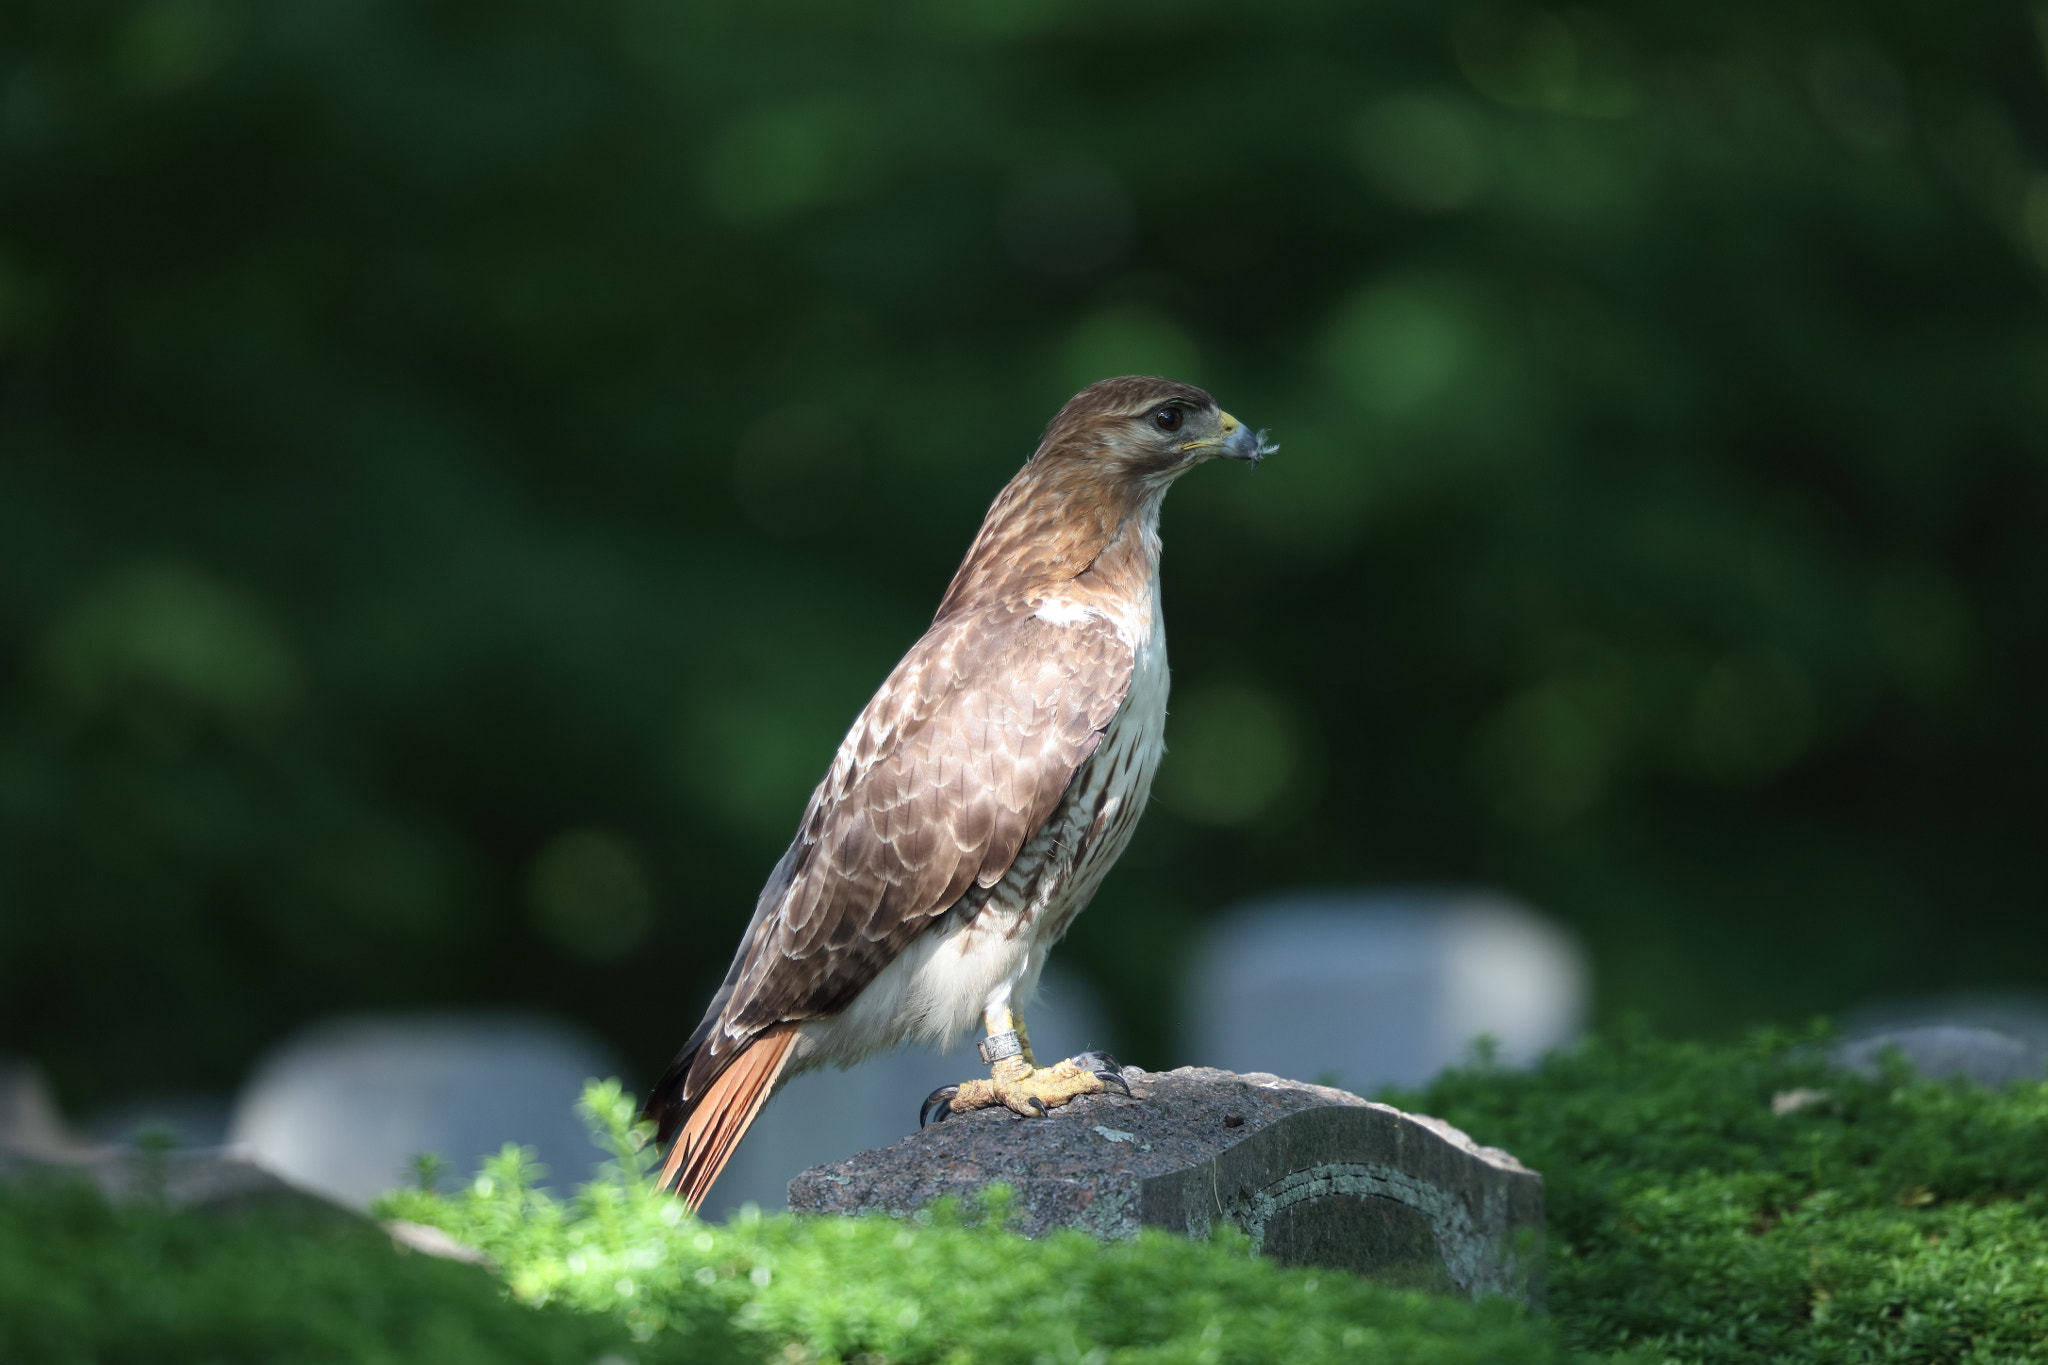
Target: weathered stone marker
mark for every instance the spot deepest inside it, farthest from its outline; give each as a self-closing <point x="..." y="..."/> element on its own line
<point x="1314" y="1176"/>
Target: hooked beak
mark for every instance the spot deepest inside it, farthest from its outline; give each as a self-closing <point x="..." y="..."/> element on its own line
<point x="1239" y="442"/>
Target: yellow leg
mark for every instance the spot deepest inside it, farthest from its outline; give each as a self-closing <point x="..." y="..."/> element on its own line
<point x="1016" y="1081"/>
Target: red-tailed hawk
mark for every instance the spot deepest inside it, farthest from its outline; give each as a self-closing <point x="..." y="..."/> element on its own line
<point x="978" y="800"/>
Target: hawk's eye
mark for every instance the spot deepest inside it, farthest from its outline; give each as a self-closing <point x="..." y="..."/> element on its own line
<point x="1167" y="419"/>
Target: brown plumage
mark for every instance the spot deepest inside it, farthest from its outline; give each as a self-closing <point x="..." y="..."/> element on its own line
<point x="975" y="803"/>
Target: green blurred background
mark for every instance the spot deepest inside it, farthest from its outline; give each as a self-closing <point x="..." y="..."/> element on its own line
<point x="463" y="464"/>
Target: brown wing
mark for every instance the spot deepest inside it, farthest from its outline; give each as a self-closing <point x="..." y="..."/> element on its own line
<point x="955" y="763"/>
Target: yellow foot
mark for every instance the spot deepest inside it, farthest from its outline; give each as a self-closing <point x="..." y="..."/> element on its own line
<point x="1030" y="1091"/>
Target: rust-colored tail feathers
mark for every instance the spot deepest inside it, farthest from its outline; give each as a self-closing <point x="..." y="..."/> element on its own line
<point x="718" y="1121"/>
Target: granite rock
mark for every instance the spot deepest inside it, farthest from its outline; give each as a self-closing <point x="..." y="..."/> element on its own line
<point x="1315" y="1176"/>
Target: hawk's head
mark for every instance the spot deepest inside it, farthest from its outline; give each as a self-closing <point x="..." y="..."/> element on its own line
<point x="1148" y="429"/>
<point x="1087" y="503"/>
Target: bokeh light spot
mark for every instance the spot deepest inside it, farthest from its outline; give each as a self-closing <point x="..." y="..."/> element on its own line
<point x="170" y="44"/>
<point x="1132" y="339"/>
<point x="777" y="162"/>
<point x="1544" y="757"/>
<point x="1422" y="150"/>
<point x="1526" y="59"/>
<point x="588" y="890"/>
<point x="1754" y="714"/>
<point x="752" y="757"/>
<point x="1235" y="750"/>
<point x="169" y="647"/>
<point x="1399" y="346"/>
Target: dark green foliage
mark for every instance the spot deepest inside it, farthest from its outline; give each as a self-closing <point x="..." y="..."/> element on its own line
<point x="948" y="1286"/>
<point x="620" y="1277"/>
<point x="1875" y="1220"/>
<point x="1879" y="1220"/>
<point x="462" y="465"/>
<point x="83" y="1283"/>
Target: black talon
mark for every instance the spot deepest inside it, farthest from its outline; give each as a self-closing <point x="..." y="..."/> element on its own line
<point x="938" y="1106"/>
<point x="1038" y="1104"/>
<point x="1114" y="1080"/>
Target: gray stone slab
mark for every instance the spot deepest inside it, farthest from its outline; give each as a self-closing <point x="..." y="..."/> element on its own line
<point x="216" y="1177"/>
<point x="189" y="1119"/>
<point x="1315" y="1176"/>
<point x="2021" y="1013"/>
<point x="345" y="1106"/>
<point x="36" y="1144"/>
<point x="30" y="1126"/>
<point x="1370" y="987"/>
<point x="1941" y="1051"/>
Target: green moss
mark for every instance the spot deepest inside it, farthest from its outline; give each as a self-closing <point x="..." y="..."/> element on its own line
<point x="948" y="1286"/>
<point x="1881" y="1220"/>
<point x="83" y="1282"/>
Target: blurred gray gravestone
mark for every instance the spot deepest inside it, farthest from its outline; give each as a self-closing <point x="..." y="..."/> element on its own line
<point x="30" y="1125"/>
<point x="34" y="1141"/>
<point x="828" y="1114"/>
<point x="1941" y="1052"/>
<point x="1381" y="987"/>
<point x="2022" y="1014"/>
<point x="1313" y="1176"/>
<point x="1991" y="1037"/>
<point x="345" y="1106"/>
<point x="192" y="1119"/>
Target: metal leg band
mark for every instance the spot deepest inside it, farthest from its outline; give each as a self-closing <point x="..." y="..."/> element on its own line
<point x="998" y="1046"/>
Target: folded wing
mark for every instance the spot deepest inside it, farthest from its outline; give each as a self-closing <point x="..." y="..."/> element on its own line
<point x="952" y="767"/>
